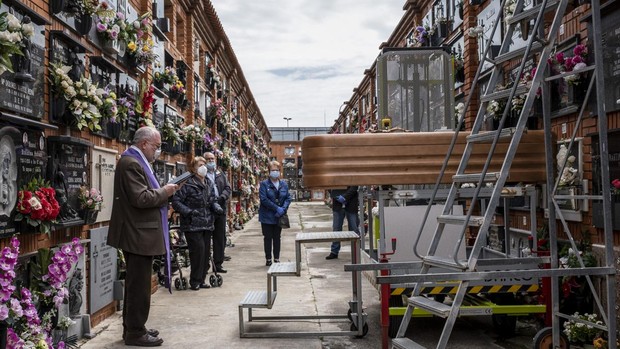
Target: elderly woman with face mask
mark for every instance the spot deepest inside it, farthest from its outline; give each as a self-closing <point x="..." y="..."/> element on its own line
<point x="196" y="203"/>
<point x="274" y="202"/>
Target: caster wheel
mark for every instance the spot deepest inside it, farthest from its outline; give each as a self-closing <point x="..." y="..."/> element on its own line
<point x="219" y="280"/>
<point x="544" y="339"/>
<point x="177" y="283"/>
<point x="364" y="331"/>
<point x="212" y="281"/>
<point x="185" y="284"/>
<point x="161" y="280"/>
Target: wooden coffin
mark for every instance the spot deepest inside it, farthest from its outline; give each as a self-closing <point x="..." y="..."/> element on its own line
<point x="340" y="160"/>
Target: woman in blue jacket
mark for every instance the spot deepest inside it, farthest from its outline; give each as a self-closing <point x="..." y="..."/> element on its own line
<point x="274" y="202"/>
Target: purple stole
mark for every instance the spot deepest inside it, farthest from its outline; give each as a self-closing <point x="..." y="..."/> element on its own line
<point x="164" y="209"/>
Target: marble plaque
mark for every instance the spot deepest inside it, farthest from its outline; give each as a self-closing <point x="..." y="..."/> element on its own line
<point x="102" y="169"/>
<point x="68" y="172"/>
<point x="22" y="158"/>
<point x="103" y="269"/>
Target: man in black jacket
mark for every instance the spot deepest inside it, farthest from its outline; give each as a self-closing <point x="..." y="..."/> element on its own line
<point x="223" y="191"/>
<point x="344" y="203"/>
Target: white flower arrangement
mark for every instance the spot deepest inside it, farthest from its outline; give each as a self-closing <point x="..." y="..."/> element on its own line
<point x="495" y="109"/>
<point x="11" y="38"/>
<point x="476" y="32"/>
<point x="509" y="9"/>
<point x="65" y="322"/>
<point x="459" y="109"/>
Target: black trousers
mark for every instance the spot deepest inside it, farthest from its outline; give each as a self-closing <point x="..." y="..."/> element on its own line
<point x="271" y="236"/>
<point x="199" y="246"/>
<point x="219" y="240"/>
<point x="137" y="294"/>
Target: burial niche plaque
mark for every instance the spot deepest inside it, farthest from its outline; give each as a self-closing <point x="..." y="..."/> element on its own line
<point x="68" y="171"/>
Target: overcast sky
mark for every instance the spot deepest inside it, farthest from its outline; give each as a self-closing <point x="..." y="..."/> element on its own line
<point x="302" y="58"/>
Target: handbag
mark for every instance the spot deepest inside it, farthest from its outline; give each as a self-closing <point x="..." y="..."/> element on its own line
<point x="284" y="223"/>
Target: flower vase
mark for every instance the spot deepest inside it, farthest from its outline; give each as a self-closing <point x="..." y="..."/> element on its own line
<point x="159" y="84"/>
<point x="89" y="216"/>
<point x="57" y="6"/>
<point x="83" y="24"/>
<point x="111" y="46"/>
<point x="576" y="94"/>
<point x="442" y="30"/>
<point x="59" y="107"/>
<point x="461" y="15"/>
<point x="525" y="28"/>
<point x="180" y="98"/>
<point x="122" y="48"/>
<point x="173" y="94"/>
<point x="459" y="75"/>
<point x="113" y="129"/>
<point x="3" y="333"/>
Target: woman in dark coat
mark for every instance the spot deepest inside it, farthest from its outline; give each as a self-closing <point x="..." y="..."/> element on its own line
<point x="196" y="203"/>
<point x="274" y="202"/>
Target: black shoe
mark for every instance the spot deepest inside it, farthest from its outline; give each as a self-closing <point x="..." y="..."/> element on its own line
<point x="227" y="258"/>
<point x="276" y="261"/>
<point x="194" y="287"/>
<point x="268" y="263"/>
<point x="145" y="341"/>
<point x="204" y="285"/>
<point x="221" y="270"/>
<point x="332" y="256"/>
<point x="152" y="332"/>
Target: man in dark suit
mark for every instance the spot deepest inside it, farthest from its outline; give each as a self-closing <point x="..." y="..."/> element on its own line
<point x="222" y="191"/>
<point x="139" y="227"/>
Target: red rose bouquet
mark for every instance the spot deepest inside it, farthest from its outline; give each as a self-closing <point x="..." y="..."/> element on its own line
<point x="37" y="205"/>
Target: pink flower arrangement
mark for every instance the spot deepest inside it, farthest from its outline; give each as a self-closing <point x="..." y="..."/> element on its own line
<point x="90" y="199"/>
<point x="561" y="64"/>
<point x="17" y="307"/>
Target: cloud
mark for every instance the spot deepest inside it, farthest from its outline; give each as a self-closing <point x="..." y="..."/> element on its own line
<point x="302" y="58"/>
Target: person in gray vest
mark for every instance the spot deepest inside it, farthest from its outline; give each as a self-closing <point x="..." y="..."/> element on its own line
<point x="222" y="192"/>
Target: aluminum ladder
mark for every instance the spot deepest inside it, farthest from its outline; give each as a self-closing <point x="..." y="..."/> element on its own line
<point x="537" y="43"/>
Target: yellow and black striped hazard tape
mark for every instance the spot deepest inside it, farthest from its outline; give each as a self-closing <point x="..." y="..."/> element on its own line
<point x="472" y="290"/>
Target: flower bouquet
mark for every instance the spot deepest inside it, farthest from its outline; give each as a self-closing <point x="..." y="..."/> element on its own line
<point x="170" y="132"/>
<point x="578" y="332"/>
<point x="109" y="26"/>
<point x="177" y="89"/>
<point x="85" y="105"/>
<point x="168" y="76"/>
<point x="495" y="109"/>
<point x="126" y="109"/>
<point x="144" y="102"/>
<point x="37" y="205"/>
<point x="561" y="64"/>
<point x="421" y="36"/>
<point x="109" y="108"/>
<point x="61" y="85"/>
<point x="192" y="133"/>
<point x="140" y="46"/>
<point x="90" y="199"/>
<point x="12" y="32"/>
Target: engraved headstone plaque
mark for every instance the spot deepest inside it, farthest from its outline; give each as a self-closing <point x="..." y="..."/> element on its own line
<point x="103" y="269"/>
<point x="102" y="168"/>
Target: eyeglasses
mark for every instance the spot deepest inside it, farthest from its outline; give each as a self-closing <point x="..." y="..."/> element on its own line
<point x="157" y="146"/>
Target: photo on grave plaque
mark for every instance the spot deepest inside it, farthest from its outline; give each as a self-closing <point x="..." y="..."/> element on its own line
<point x="8" y="174"/>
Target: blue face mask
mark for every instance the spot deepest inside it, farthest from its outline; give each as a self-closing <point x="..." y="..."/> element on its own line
<point x="211" y="166"/>
<point x="274" y="174"/>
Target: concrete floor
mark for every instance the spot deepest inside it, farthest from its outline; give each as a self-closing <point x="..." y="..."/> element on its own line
<point x="209" y="318"/>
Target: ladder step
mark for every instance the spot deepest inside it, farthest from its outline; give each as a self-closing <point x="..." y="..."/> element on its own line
<point x="475" y="177"/>
<point x="536" y="47"/>
<point x="532" y="13"/>
<point x="443" y="262"/>
<point x="405" y="343"/>
<point x="430" y="305"/>
<point x="485" y="137"/>
<point x="474" y="221"/>
<point x="257" y="299"/>
<point x="283" y="269"/>
<point x="503" y="94"/>
<point x="326" y="236"/>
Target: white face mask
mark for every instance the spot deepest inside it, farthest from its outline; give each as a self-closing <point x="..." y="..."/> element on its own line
<point x="202" y="171"/>
<point x="157" y="154"/>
